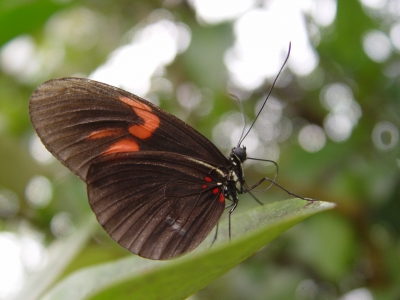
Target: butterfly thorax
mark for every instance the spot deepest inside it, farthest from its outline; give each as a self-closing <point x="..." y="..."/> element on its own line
<point x="236" y="175"/>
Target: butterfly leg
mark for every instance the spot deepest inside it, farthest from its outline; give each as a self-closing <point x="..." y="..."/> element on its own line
<point x="281" y="187"/>
<point x="229" y="206"/>
<point x="234" y="205"/>
<point x="215" y="236"/>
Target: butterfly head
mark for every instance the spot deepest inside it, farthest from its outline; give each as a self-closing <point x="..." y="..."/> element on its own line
<point x="240" y="153"/>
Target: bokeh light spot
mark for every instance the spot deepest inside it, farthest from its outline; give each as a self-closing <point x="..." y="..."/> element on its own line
<point x="39" y="191"/>
<point x="272" y="110"/>
<point x="33" y="253"/>
<point x="285" y="129"/>
<point x="344" y="111"/>
<point x="229" y="128"/>
<point x="270" y="151"/>
<point x="374" y="4"/>
<point x="9" y="203"/>
<point x="338" y="127"/>
<point x="358" y="294"/>
<point x="207" y="102"/>
<point x="188" y="95"/>
<point x="62" y="224"/>
<point x="395" y="35"/>
<point x="251" y="141"/>
<point x="18" y="58"/>
<point x="377" y="46"/>
<point x="324" y="12"/>
<point x="312" y="138"/>
<point x="77" y="27"/>
<point x="267" y="124"/>
<point x="307" y="289"/>
<point x="385" y="136"/>
<point x="38" y="151"/>
<point x="336" y="97"/>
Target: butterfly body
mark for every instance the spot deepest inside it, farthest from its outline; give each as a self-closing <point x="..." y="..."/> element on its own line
<point x="157" y="186"/>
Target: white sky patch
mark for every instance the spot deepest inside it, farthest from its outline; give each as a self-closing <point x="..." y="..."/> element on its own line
<point x="151" y="49"/>
<point x="262" y="35"/>
<point x="12" y="269"/>
<point x="262" y="40"/>
<point x="211" y="11"/>
<point x="374" y="4"/>
<point x="323" y="11"/>
<point x="19" y="255"/>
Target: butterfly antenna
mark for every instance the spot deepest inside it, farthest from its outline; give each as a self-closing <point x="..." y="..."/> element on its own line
<point x="269" y="93"/>
<point x="244" y="116"/>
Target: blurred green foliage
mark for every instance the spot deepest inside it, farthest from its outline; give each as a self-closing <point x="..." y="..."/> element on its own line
<point x="329" y="255"/>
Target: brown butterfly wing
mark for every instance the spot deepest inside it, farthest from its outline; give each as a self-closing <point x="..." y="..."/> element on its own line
<point x="157" y="205"/>
<point x="79" y="120"/>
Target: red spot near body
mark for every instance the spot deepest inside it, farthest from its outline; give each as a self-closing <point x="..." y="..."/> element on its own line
<point x="122" y="146"/>
<point x="208" y="179"/>
<point x="151" y="121"/>
<point x="221" y="198"/>
<point x="203" y="186"/>
<point x="215" y="191"/>
<point x="104" y="133"/>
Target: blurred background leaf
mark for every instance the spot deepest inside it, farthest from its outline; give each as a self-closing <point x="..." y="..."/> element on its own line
<point x="332" y="124"/>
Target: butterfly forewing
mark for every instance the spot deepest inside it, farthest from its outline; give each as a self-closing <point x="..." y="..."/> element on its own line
<point x="157" y="205"/>
<point x="79" y="120"/>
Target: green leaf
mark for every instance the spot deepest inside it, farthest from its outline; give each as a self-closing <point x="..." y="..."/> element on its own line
<point x="21" y="17"/>
<point x="138" y="278"/>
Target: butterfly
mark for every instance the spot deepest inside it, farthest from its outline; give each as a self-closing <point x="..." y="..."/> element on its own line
<point x="156" y="185"/>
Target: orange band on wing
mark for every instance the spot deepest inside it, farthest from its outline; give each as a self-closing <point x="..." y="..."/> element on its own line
<point x="143" y="131"/>
<point x="122" y="146"/>
<point x="104" y="133"/>
<point x="151" y="121"/>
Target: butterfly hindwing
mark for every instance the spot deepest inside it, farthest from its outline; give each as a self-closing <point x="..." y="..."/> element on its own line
<point x="157" y="205"/>
<point x="79" y="120"/>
